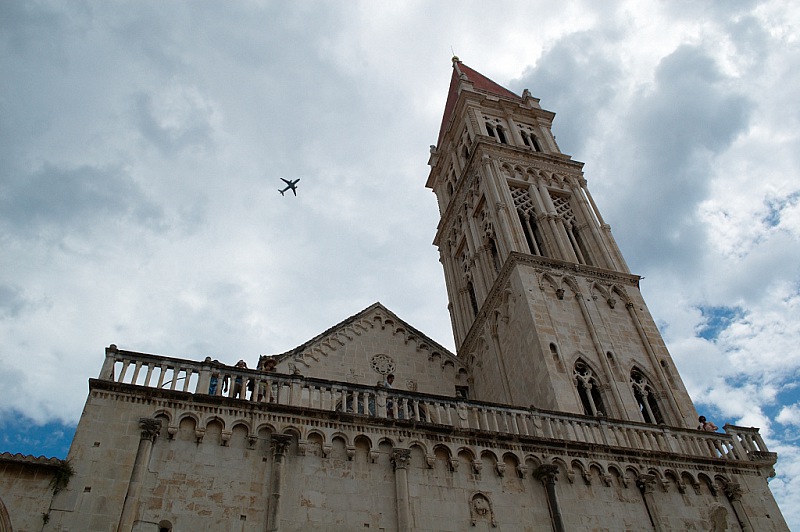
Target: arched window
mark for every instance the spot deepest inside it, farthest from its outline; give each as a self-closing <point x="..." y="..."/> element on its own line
<point x="501" y="135"/>
<point x="490" y="130"/>
<point x="472" y="298"/>
<point x="645" y="396"/>
<point x="589" y="390"/>
<point x="494" y="254"/>
<point x="527" y="218"/>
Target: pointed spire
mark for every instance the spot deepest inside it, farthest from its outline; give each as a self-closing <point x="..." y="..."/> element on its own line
<point x="479" y="82"/>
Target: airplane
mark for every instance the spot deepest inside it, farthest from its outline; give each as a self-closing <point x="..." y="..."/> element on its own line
<point x="290" y="185"/>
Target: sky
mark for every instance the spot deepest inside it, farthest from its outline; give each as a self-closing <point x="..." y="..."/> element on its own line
<point x="141" y="146"/>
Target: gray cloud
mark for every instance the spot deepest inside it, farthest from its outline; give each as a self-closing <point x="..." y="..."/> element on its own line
<point x="75" y="199"/>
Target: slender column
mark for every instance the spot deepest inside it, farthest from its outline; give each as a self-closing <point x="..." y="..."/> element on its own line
<point x="734" y="493"/>
<point x="500" y="197"/>
<point x="645" y="483"/>
<point x="401" y="459"/>
<point x="150" y="429"/>
<point x="665" y="387"/>
<point x="609" y="238"/>
<point x="600" y="354"/>
<point x="280" y="442"/>
<point x="548" y="474"/>
<point x="591" y="221"/>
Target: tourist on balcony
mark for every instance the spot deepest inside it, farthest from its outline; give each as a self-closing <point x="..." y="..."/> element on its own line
<point x="707" y="426"/>
<point x="387" y="383"/>
<point x="212" y="385"/>
<point x="237" y="381"/>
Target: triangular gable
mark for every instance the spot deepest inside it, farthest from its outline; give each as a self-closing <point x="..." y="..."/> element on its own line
<point x="365" y="347"/>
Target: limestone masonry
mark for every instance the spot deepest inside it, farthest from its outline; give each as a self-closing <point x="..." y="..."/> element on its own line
<point x="562" y="410"/>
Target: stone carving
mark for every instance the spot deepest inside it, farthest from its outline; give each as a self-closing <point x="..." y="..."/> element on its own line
<point x="150" y="427"/>
<point x="401" y="458"/>
<point x="383" y="364"/>
<point x="411" y="385"/>
<point x="480" y="508"/>
<point x="281" y="442"/>
<point x="719" y="518"/>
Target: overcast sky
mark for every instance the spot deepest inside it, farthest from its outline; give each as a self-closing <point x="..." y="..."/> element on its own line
<point x="141" y="146"/>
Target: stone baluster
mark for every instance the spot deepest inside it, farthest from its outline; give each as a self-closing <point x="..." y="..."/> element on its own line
<point x="400" y="459"/>
<point x="123" y="370"/>
<point x="136" y="368"/>
<point x="150" y="429"/>
<point x="188" y="372"/>
<point x="280" y="444"/>
<point x="148" y="375"/>
<point x="161" y="374"/>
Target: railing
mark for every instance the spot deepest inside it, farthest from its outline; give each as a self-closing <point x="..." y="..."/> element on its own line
<point x="209" y="378"/>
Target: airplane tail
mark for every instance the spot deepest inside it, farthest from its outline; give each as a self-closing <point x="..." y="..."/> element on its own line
<point x="281" y="191"/>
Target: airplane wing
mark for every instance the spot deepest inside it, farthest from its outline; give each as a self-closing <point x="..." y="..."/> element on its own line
<point x="286" y="181"/>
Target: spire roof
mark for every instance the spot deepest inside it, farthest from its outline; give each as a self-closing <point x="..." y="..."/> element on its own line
<point x="479" y="82"/>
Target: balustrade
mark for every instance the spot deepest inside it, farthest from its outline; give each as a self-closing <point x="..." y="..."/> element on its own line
<point x="208" y="378"/>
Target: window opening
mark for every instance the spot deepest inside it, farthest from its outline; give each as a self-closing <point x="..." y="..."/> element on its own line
<point x="588" y="390"/>
<point x="564" y="211"/>
<point x="472" y="298"/>
<point x="646" y="398"/>
<point x="501" y="135"/>
<point x="527" y="218"/>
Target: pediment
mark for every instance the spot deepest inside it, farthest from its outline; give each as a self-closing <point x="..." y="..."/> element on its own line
<point x="367" y="346"/>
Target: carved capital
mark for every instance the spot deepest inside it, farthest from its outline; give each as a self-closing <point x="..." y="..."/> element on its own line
<point x="500" y="468"/>
<point x="646" y="483"/>
<point x="150" y="427"/>
<point x="401" y="458"/>
<point x="281" y="442"/>
<point x="547" y="473"/>
<point x="733" y="491"/>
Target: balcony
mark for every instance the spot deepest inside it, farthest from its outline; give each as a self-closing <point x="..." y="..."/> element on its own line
<point x="426" y="411"/>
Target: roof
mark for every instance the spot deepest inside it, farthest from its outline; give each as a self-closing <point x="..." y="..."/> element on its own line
<point x="479" y="82"/>
<point x="375" y="306"/>
<point x="29" y="459"/>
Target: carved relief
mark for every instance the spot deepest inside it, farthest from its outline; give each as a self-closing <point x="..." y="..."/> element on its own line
<point x="480" y="508"/>
<point x="383" y="364"/>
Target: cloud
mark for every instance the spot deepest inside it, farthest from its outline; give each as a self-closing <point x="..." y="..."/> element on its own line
<point x="74" y="199"/>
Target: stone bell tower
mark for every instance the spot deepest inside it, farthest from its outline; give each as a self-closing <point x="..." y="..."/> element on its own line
<point x="544" y="309"/>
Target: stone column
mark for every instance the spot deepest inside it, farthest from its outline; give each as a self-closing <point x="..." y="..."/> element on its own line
<point x="734" y="493"/>
<point x="678" y="414"/>
<point x="400" y="459"/>
<point x="280" y="442"/>
<point x="150" y="429"/>
<point x="107" y="371"/>
<point x="619" y="406"/>
<point x="548" y="474"/>
<point x="645" y="483"/>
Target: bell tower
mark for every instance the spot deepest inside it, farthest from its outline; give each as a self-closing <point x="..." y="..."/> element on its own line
<point x="545" y="311"/>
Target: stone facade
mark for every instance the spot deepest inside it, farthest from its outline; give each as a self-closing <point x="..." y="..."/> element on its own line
<point x="562" y="411"/>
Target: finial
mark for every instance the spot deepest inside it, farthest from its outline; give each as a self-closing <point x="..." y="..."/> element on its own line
<point x="456" y="59"/>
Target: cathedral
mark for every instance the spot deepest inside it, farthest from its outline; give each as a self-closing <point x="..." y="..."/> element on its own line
<point x="561" y="410"/>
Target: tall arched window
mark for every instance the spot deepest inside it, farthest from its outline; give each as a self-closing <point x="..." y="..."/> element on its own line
<point x="645" y="396"/>
<point x="589" y="390"/>
<point x="501" y="135"/>
<point x="473" y="300"/>
<point x="527" y="218"/>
